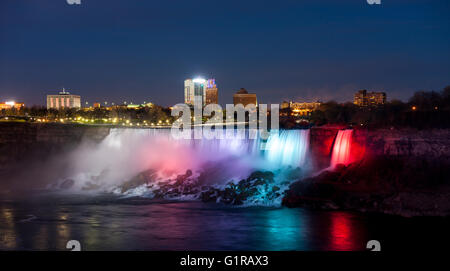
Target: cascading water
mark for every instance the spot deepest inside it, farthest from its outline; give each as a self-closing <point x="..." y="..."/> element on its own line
<point x="341" y="148"/>
<point x="282" y="148"/>
<point x="287" y="148"/>
<point x="125" y="154"/>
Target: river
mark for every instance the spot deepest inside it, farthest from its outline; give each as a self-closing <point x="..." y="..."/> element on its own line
<point x="106" y="222"/>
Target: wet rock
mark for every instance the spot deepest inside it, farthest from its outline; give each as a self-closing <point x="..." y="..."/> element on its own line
<point x="140" y="179"/>
<point x="402" y="186"/>
<point x="68" y="183"/>
<point x="259" y="185"/>
<point x="182" y="178"/>
<point x="239" y="193"/>
<point x="209" y="195"/>
<point x="91" y="186"/>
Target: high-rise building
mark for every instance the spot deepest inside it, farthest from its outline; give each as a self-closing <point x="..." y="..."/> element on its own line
<point x="63" y="100"/>
<point x="212" y="95"/>
<point x="189" y="91"/>
<point x="364" y="98"/>
<point x="243" y="97"/>
<point x="206" y="89"/>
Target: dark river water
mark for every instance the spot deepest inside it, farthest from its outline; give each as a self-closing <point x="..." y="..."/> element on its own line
<point x="107" y="223"/>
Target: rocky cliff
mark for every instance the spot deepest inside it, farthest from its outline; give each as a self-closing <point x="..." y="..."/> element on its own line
<point x="402" y="172"/>
<point x="22" y="141"/>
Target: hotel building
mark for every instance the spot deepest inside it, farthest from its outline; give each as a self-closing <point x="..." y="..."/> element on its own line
<point x="206" y="89"/>
<point x="364" y="98"/>
<point x="212" y="95"/>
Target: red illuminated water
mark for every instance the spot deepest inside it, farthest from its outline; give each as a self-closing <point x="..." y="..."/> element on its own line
<point x="341" y="149"/>
<point x="107" y="223"/>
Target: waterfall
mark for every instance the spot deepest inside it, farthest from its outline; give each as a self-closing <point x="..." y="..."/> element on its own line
<point x="152" y="163"/>
<point x="282" y="148"/>
<point x="124" y="153"/>
<point x="341" y="148"/>
<point x="287" y="147"/>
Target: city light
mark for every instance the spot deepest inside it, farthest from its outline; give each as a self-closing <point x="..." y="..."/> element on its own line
<point x="11" y="103"/>
<point x="199" y="80"/>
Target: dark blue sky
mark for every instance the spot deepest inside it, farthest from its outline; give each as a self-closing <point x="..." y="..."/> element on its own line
<point x="136" y="50"/>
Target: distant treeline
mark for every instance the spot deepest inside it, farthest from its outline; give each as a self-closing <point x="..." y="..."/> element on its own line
<point x="425" y="109"/>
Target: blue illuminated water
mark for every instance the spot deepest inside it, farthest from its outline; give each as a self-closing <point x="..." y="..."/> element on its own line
<point x="106" y="223"/>
<point x="287" y="148"/>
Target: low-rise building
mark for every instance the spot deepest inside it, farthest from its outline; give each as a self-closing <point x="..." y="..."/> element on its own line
<point x="63" y="100"/>
<point x="364" y="98"/>
<point x="298" y="109"/>
<point x="243" y="97"/>
<point x="11" y="105"/>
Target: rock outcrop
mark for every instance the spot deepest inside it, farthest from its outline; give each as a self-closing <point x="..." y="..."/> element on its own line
<point x="403" y="186"/>
<point x="259" y="188"/>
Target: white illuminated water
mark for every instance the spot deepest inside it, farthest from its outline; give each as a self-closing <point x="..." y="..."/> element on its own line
<point x="125" y="153"/>
<point x="282" y="148"/>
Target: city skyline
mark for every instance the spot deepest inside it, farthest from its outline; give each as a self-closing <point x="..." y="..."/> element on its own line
<point x="135" y="50"/>
<point x="58" y="100"/>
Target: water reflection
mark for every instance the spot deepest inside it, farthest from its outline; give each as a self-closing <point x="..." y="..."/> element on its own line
<point x="285" y="230"/>
<point x="342" y="234"/>
<point x="7" y="229"/>
<point x="146" y="225"/>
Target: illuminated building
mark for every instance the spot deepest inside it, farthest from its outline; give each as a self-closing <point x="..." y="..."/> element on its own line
<point x="63" y="100"/>
<point x="206" y="89"/>
<point x="188" y="91"/>
<point x="244" y="98"/>
<point x="192" y="88"/>
<point x="285" y="105"/>
<point x="300" y="109"/>
<point x="134" y="106"/>
<point x="10" y="105"/>
<point x="212" y="95"/>
<point x="364" y="98"/>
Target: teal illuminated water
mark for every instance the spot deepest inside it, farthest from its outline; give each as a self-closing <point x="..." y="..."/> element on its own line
<point x="108" y="223"/>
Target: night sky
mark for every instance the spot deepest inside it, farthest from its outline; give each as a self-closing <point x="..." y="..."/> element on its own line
<point x="142" y="50"/>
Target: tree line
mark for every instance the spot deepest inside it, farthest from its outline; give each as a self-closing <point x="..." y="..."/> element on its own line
<point x="425" y="109"/>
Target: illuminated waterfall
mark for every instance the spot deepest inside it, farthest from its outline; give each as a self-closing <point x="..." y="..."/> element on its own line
<point x="282" y="148"/>
<point x="341" y="148"/>
<point x="287" y="148"/>
<point x="126" y="153"/>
